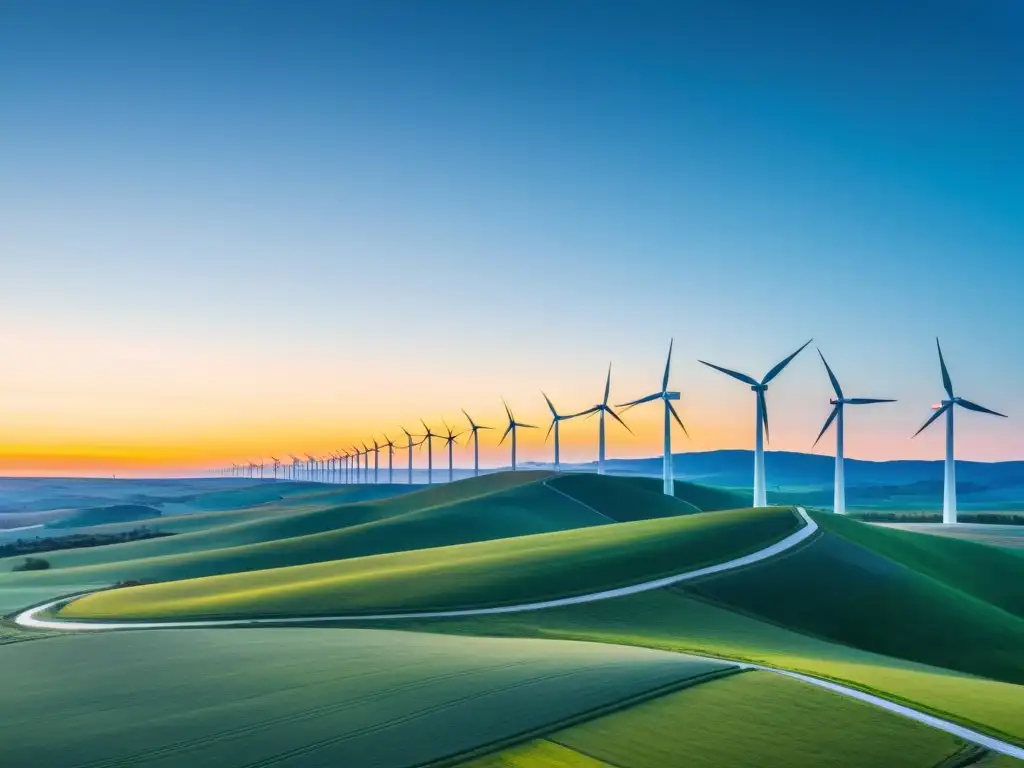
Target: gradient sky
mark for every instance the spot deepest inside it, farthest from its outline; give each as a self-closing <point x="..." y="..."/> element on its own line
<point x="234" y="229"/>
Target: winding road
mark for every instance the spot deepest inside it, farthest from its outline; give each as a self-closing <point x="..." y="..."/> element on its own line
<point x="30" y="618"/>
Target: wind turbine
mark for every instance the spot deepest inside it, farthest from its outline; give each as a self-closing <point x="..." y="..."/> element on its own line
<point x="840" y="401"/>
<point x="474" y="428"/>
<point x="946" y="407"/>
<point x="376" y="460"/>
<point x="366" y="462"/>
<point x="556" y="419"/>
<point x="277" y="466"/>
<point x="761" y="430"/>
<point x="356" y="454"/>
<point x="390" y="445"/>
<point x="603" y="408"/>
<point x="427" y="438"/>
<point x="311" y="467"/>
<point x="409" y="448"/>
<point x="513" y="425"/>
<point x="668" y="481"/>
<point x="450" y="440"/>
<point x="295" y="467"/>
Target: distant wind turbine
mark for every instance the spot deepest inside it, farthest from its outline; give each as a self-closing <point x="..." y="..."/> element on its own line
<point x="556" y="419"/>
<point x="428" y="438"/>
<point x="602" y="408"/>
<point x="946" y="407"/>
<point x="277" y="465"/>
<point x="390" y="445"/>
<point x="376" y="460"/>
<point x="357" y="454"/>
<point x="409" y="436"/>
<point x="840" y="401"/>
<point x="474" y="429"/>
<point x="295" y="467"/>
<point x="450" y="440"/>
<point x="761" y="432"/>
<point x="513" y="425"/>
<point x="366" y="462"/>
<point x="668" y="481"/>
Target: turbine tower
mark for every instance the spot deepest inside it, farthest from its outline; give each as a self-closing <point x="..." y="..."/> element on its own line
<point x="428" y="437"/>
<point x="840" y="401"/>
<point x="409" y="447"/>
<point x="390" y="445"/>
<point x="357" y="454"/>
<point x="376" y="460"/>
<point x="761" y="428"/>
<point x="556" y="419"/>
<point x="513" y="425"/>
<point x="603" y="408"/>
<point x="366" y="462"/>
<point x="946" y="407"/>
<point x="474" y="429"/>
<point x="666" y="396"/>
<point x="450" y="440"/>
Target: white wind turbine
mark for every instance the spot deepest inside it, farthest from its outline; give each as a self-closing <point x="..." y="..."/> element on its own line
<point x="450" y="440"/>
<point x="366" y="462"/>
<point x="474" y="428"/>
<point x="376" y="460"/>
<point x="556" y="419"/>
<point x="429" y="438"/>
<point x="603" y="408"/>
<point x="357" y="455"/>
<point x="946" y="407"/>
<point x="513" y="425"/>
<point x="668" y="480"/>
<point x="390" y="445"/>
<point x="409" y="447"/>
<point x="761" y="430"/>
<point x="840" y="401"/>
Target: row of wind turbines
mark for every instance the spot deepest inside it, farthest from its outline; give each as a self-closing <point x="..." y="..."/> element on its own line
<point x="354" y="466"/>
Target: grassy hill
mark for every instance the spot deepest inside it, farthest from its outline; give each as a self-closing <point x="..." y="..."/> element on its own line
<point x="306" y="697"/>
<point x="117" y="513"/>
<point x="641" y="498"/>
<point x="500" y="572"/>
<point x="785" y="723"/>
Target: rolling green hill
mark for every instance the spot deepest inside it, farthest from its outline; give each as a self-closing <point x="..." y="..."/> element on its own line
<point x="846" y="592"/>
<point x="499" y="572"/>
<point x="305" y="697"/>
<point x="785" y="723"/>
<point x="117" y="513"/>
<point x="641" y="498"/>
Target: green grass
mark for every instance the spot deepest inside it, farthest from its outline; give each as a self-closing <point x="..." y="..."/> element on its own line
<point x="502" y="572"/>
<point x="847" y="593"/>
<point x="672" y="620"/>
<point x="304" y="697"/>
<point x="754" y="718"/>
<point x="641" y="498"/>
<point x="992" y="575"/>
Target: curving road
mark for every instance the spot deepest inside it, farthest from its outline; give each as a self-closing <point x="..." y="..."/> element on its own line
<point x="30" y="618"/>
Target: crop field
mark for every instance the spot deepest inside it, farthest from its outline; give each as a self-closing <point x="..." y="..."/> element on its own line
<point x="306" y="697"/>
<point x="673" y="620"/>
<point x="995" y="535"/>
<point x="502" y="572"/>
<point x="785" y="723"/>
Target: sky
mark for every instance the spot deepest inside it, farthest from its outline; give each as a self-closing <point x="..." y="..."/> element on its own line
<point x="231" y="230"/>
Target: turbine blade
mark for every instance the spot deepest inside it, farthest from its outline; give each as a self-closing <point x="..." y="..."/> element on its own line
<point x="511" y="424"/>
<point x="638" y="401"/>
<point x="468" y="418"/>
<point x="764" y="414"/>
<point x="668" y="365"/>
<point x="979" y="408"/>
<point x="828" y="422"/>
<point x="946" y="381"/>
<point x="934" y="416"/>
<point x="867" y="400"/>
<point x="615" y="416"/>
<point x="832" y="377"/>
<point x="507" y="410"/>
<point x="549" y="432"/>
<point x="607" y="384"/>
<point x="780" y="366"/>
<point x="735" y="374"/>
<point x="525" y="426"/>
<point x="550" y="405"/>
<point x="676" y="416"/>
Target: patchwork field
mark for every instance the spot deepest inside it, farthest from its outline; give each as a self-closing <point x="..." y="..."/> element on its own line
<point x="932" y="622"/>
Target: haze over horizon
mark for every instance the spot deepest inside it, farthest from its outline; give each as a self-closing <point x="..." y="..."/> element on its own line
<point x="234" y="233"/>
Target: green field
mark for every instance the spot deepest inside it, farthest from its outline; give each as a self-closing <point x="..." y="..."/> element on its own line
<point x="754" y="718"/>
<point x="501" y="572"/>
<point x="305" y="697"/>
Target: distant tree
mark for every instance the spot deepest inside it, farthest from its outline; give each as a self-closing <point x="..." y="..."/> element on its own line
<point x="33" y="564"/>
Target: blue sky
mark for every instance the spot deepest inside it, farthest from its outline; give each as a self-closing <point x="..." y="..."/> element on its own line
<point x="314" y="219"/>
